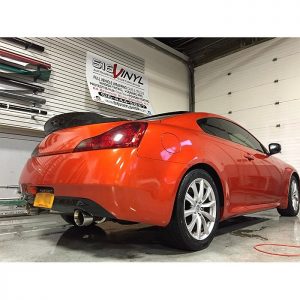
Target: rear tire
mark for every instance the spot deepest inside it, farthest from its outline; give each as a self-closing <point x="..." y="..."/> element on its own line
<point x="293" y="200"/>
<point x="196" y="212"/>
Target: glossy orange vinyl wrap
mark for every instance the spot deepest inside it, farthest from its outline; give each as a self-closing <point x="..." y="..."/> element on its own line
<point x="140" y="184"/>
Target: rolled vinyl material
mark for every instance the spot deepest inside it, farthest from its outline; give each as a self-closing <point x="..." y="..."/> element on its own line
<point x="23" y="97"/>
<point x="34" y="88"/>
<point x="23" y="58"/>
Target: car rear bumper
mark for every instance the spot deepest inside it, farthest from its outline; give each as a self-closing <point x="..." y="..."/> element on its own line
<point x="114" y="183"/>
<point x="68" y="205"/>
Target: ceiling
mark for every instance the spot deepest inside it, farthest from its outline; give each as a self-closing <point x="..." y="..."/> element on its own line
<point x="204" y="50"/>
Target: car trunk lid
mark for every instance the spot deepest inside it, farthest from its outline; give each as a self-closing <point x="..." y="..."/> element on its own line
<point x="65" y="132"/>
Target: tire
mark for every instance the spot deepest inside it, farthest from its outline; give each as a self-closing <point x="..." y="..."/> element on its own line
<point x="181" y="232"/>
<point x="293" y="200"/>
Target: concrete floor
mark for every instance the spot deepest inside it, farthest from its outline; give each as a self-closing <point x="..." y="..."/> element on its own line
<point x="48" y="238"/>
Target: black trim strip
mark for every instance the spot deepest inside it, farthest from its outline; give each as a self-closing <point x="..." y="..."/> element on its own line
<point x="22" y="108"/>
<point x="26" y="44"/>
<point x="69" y="204"/>
<point x="21" y="97"/>
<point x="33" y="87"/>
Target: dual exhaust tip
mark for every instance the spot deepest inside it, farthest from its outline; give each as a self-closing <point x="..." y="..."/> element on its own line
<point x="82" y="218"/>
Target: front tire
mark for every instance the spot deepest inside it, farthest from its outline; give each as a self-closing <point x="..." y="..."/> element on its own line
<point x="293" y="200"/>
<point x="196" y="212"/>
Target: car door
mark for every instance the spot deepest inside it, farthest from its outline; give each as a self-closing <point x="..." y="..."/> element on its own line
<point x="264" y="177"/>
<point x="237" y="169"/>
<point x="266" y="186"/>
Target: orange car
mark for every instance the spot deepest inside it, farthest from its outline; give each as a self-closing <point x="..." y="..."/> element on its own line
<point x="183" y="171"/>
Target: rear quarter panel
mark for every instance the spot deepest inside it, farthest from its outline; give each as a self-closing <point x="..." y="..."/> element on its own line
<point x="191" y="147"/>
<point x="195" y="147"/>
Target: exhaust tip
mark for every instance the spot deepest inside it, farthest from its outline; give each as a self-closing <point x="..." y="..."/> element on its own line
<point x="82" y="218"/>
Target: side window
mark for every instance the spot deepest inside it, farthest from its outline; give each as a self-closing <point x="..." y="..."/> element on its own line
<point x="214" y="127"/>
<point x="231" y="132"/>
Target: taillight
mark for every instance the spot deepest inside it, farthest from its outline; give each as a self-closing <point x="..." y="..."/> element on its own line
<point x="123" y="136"/>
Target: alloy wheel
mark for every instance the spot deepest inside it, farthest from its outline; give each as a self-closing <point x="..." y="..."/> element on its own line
<point x="295" y="195"/>
<point x="200" y="209"/>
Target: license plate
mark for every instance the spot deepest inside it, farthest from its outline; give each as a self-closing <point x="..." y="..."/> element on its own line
<point x="44" y="200"/>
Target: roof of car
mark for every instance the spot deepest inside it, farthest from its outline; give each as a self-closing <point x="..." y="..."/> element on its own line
<point x="185" y="120"/>
<point x="181" y="114"/>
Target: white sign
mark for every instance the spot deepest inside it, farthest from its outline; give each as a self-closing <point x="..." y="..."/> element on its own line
<point x="113" y="84"/>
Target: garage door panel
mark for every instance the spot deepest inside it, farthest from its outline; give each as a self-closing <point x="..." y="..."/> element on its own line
<point x="254" y="77"/>
<point x="213" y="89"/>
<point x="288" y="66"/>
<point x="238" y="81"/>
<point x="286" y="135"/>
<point x="268" y="109"/>
<point x="256" y="118"/>
<point x="263" y="95"/>
<point x="249" y="58"/>
<point x="204" y="78"/>
<point x="288" y="89"/>
<point x="268" y="116"/>
<point x="218" y="105"/>
<point x="286" y="70"/>
<point x="266" y="132"/>
<point x="289" y="112"/>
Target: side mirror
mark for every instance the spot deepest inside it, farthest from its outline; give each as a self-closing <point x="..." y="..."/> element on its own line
<point x="274" y="148"/>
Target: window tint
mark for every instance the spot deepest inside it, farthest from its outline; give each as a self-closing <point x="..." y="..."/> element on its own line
<point x="229" y="131"/>
<point x="214" y="127"/>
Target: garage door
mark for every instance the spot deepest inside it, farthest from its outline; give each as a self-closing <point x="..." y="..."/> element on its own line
<point x="258" y="87"/>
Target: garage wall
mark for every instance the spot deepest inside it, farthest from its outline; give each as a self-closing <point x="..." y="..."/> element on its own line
<point x="67" y="90"/>
<point x="258" y="87"/>
<point x="168" y="77"/>
<point x="15" y="149"/>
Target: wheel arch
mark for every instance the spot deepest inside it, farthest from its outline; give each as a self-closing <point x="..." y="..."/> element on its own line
<point x="213" y="173"/>
<point x="294" y="173"/>
<point x="287" y="177"/>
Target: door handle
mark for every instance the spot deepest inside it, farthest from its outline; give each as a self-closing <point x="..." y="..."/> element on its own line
<point x="249" y="156"/>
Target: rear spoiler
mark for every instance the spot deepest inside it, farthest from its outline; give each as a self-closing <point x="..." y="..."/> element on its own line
<point x="76" y="119"/>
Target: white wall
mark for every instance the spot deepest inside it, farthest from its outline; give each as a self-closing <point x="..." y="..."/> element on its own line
<point x="254" y="92"/>
<point x="14" y="151"/>
<point x="168" y="77"/>
<point x="67" y="90"/>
